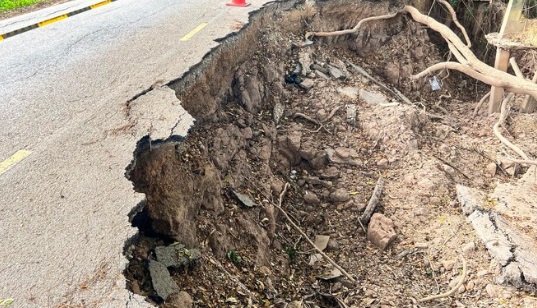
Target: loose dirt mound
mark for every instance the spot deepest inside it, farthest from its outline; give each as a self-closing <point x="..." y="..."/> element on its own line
<point x="266" y="118"/>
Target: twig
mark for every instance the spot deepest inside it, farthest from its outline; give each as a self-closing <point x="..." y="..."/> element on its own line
<point x="481" y="102"/>
<point x="332" y="113"/>
<point x="321" y="126"/>
<point x="279" y="206"/>
<point x="233" y="278"/>
<point x="453" y="290"/>
<point x="373" y="201"/>
<point x="452" y="166"/>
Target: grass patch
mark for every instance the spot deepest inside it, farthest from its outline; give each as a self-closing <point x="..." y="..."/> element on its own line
<point x="6" y="5"/>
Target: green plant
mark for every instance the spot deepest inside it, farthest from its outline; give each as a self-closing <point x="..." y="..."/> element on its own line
<point x="5" y="302"/>
<point x="291" y="252"/>
<point x="234" y="257"/>
<point x="14" y="4"/>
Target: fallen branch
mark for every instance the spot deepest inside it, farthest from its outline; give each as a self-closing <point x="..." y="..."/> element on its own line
<point x="233" y="278"/>
<point x="373" y="201"/>
<point x="454" y="289"/>
<point x="332" y="113"/>
<point x="279" y="206"/>
<point x="305" y="117"/>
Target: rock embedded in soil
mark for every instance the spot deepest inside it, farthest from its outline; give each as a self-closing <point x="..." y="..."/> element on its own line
<point x="349" y="92"/>
<point x="340" y="195"/>
<point x="381" y="231"/>
<point x="161" y="279"/>
<point x="343" y="156"/>
<point x="243" y="199"/>
<point x="311" y="198"/>
<point x="176" y="256"/>
<point x="373" y="98"/>
<point x="335" y="72"/>
<point x="179" y="300"/>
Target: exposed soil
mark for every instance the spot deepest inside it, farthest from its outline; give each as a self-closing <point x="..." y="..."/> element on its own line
<point x="251" y="137"/>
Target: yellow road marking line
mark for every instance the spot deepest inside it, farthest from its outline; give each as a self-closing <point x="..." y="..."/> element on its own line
<point x="52" y="20"/>
<point x="100" y="4"/>
<point x="193" y="32"/>
<point x="14" y="159"/>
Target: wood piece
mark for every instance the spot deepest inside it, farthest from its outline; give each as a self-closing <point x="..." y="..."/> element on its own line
<point x="279" y="207"/>
<point x="373" y="201"/>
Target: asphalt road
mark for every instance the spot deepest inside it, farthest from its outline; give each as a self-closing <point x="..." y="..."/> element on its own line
<point x="63" y="88"/>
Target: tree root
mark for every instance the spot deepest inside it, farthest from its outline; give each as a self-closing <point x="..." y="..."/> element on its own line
<point x="279" y="207"/>
<point x="481" y="102"/>
<point x="468" y="63"/>
<point x="496" y="129"/>
<point x="454" y="289"/>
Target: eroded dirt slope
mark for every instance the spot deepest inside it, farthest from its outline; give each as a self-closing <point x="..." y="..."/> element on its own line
<point x="266" y="117"/>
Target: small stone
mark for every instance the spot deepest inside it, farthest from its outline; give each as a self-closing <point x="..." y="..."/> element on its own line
<point x="491" y="169"/>
<point x="448" y="264"/>
<point x="161" y="279"/>
<point x="332" y="245"/>
<point x="307" y="84"/>
<point x="247" y="133"/>
<point x="349" y="92"/>
<point x="421" y="245"/>
<point x="373" y="98"/>
<point x="179" y="300"/>
<point x="313" y="180"/>
<point x="265" y="270"/>
<point x="482" y="273"/>
<point x="311" y="198"/>
<point x="470" y="286"/>
<point x="335" y="72"/>
<point x="449" y="170"/>
<point x="340" y="195"/>
<point x="330" y="173"/>
<point x="435" y="200"/>
<point x="381" y="231"/>
<point x="383" y="163"/>
<point x="469" y="248"/>
<point x="493" y="291"/>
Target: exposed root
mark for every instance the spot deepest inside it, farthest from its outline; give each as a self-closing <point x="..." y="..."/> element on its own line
<point x="468" y="64"/>
<point x="496" y="129"/>
<point x="481" y="102"/>
<point x="350" y="31"/>
<point x="279" y="206"/>
<point x="454" y="289"/>
<point x="456" y="21"/>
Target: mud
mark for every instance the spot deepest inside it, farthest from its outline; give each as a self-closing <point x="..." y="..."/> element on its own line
<point x="330" y="141"/>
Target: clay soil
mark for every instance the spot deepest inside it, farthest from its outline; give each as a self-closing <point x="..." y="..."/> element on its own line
<point x="250" y="137"/>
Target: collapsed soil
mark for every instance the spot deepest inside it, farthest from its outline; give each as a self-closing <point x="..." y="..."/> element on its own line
<point x="251" y="138"/>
